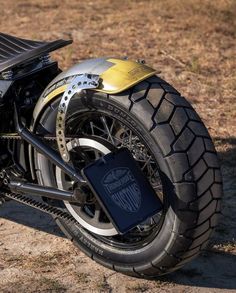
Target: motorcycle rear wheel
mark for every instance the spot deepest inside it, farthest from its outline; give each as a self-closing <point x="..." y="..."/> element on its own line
<point x="174" y="136"/>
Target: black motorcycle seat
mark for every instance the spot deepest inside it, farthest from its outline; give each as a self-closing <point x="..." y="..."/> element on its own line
<point x="15" y="51"/>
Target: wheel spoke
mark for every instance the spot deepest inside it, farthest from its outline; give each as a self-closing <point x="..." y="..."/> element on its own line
<point x="147" y="162"/>
<point x="97" y="214"/>
<point x="130" y="138"/>
<point x="108" y="131"/>
<point x="92" y="127"/>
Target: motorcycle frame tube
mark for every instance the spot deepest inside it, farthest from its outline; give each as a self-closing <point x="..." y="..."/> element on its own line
<point x="42" y="191"/>
<point x="47" y="151"/>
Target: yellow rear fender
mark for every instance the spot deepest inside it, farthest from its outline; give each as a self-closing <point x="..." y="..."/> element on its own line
<point x="116" y="75"/>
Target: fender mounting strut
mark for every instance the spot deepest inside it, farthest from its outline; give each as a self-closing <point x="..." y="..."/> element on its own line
<point x="77" y="85"/>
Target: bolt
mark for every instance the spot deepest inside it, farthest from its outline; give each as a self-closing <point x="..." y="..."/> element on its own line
<point x="65" y="157"/>
<point x="5" y="181"/>
<point x="141" y="61"/>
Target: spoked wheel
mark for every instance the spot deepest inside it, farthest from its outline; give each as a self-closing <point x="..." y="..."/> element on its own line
<point x="105" y="134"/>
<point x="171" y="145"/>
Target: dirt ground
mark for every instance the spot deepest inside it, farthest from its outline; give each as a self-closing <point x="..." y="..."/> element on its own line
<point x="192" y="44"/>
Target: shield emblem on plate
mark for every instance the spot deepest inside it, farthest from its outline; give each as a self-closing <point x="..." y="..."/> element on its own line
<point x="123" y="189"/>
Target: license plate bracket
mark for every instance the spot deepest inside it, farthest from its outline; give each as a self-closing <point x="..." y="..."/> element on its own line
<point x="122" y="190"/>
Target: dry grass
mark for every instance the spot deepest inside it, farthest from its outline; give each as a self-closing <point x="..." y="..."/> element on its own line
<point x="42" y="284"/>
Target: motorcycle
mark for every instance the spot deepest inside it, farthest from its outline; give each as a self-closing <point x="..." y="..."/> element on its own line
<point x="114" y="153"/>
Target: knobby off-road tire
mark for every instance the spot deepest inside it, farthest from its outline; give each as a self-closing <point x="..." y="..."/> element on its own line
<point x="192" y="180"/>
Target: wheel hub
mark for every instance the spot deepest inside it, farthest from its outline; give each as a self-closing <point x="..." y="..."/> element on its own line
<point x="90" y="216"/>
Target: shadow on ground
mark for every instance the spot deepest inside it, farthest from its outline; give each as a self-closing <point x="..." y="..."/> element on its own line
<point x="30" y="217"/>
<point x="214" y="269"/>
